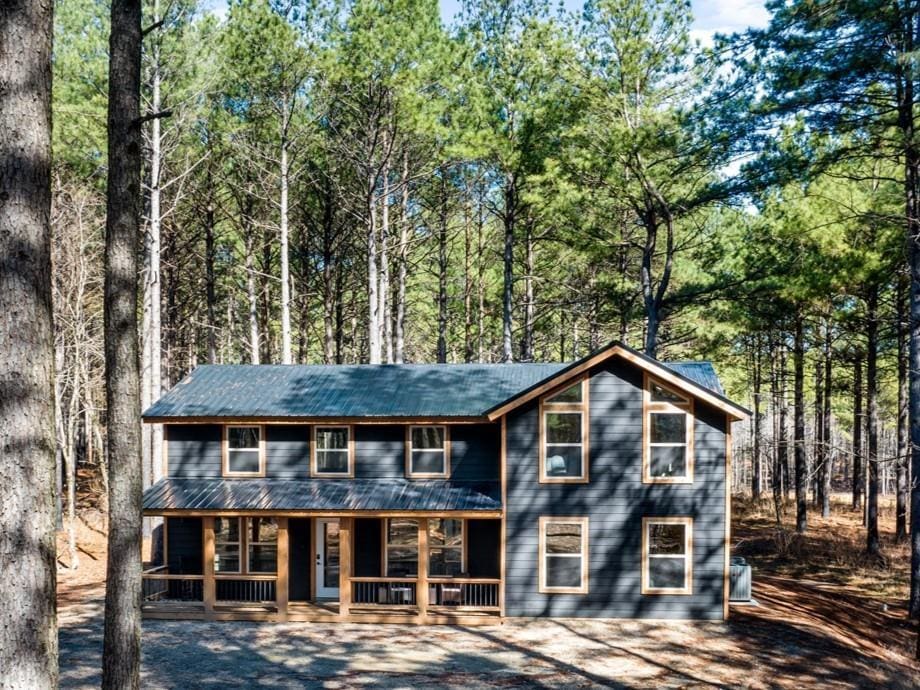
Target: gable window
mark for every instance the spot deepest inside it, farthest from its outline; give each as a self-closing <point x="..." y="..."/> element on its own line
<point x="667" y="555"/>
<point x="333" y="451"/>
<point x="445" y="547"/>
<point x="563" y="564"/>
<point x="564" y="435"/>
<point x="262" y="545"/>
<point x="667" y="435"/>
<point x="402" y="547"/>
<point x="227" y="545"/>
<point x="244" y="451"/>
<point x="427" y="452"/>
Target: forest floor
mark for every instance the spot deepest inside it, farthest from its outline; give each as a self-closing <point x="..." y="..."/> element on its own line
<point x="827" y="618"/>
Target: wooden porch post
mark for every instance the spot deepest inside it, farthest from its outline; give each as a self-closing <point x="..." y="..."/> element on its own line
<point x="422" y="594"/>
<point x="345" y="533"/>
<point x="208" y="586"/>
<point x="281" y="584"/>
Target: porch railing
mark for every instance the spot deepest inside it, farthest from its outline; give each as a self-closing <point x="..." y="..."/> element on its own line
<point x="444" y="594"/>
<point x="464" y="593"/>
<point x="245" y="589"/>
<point x="381" y="591"/>
<point x="158" y="585"/>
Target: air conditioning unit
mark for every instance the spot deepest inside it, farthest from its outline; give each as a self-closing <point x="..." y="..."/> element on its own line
<point x="739" y="580"/>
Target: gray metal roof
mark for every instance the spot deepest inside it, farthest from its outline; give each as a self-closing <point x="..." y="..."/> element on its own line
<point x="321" y="495"/>
<point x="366" y="390"/>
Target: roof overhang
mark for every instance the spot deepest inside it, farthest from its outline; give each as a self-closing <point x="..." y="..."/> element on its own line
<point x="648" y="364"/>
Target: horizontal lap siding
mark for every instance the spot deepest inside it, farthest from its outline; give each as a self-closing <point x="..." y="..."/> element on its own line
<point x="194" y="450"/>
<point x="615" y="501"/>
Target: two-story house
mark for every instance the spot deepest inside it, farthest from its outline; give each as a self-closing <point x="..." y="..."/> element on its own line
<point x="444" y="493"/>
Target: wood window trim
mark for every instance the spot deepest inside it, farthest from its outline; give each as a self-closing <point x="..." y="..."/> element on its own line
<point x="648" y="408"/>
<point x="314" y="471"/>
<point x="543" y="588"/>
<point x="687" y="589"/>
<point x="386" y="544"/>
<point x="243" y="524"/>
<point x="463" y="564"/>
<point x="408" y="444"/>
<point x="248" y="523"/>
<point x="241" y="537"/>
<point x="583" y="408"/>
<point x="225" y="450"/>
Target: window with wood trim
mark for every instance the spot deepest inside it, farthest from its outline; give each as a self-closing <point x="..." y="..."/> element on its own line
<point x="667" y="555"/>
<point x="563" y="566"/>
<point x="445" y="547"/>
<point x="332" y="452"/>
<point x="262" y="545"/>
<point x="667" y="454"/>
<point x="227" y="545"/>
<point x="244" y="451"/>
<point x="564" y="435"/>
<point x="427" y="452"/>
<point x="401" y="547"/>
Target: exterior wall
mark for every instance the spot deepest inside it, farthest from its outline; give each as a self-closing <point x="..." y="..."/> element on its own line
<point x="615" y="501"/>
<point x="194" y="450"/>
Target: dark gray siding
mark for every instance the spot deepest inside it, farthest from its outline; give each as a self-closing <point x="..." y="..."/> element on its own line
<point x="195" y="451"/>
<point x="615" y="501"/>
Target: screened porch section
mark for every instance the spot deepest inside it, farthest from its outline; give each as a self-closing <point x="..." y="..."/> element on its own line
<point x="425" y="568"/>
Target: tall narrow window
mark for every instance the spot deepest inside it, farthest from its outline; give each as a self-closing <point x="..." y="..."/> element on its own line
<point x="668" y="435"/>
<point x="332" y="451"/>
<point x="445" y="547"/>
<point x="262" y="545"/>
<point x="428" y="452"/>
<point x="402" y="547"/>
<point x="563" y="555"/>
<point x="667" y="555"/>
<point x="243" y="451"/>
<point x="564" y="435"/>
<point x="227" y="545"/>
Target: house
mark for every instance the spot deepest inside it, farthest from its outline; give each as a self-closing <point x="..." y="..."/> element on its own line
<point x="444" y="493"/>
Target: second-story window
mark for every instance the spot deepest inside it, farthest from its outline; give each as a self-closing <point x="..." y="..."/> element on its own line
<point x="332" y="451"/>
<point x="668" y="435"/>
<point x="564" y="435"/>
<point x="428" y="452"/>
<point x="243" y="451"/>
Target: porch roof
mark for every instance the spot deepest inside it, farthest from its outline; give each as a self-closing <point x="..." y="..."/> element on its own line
<point x="173" y="493"/>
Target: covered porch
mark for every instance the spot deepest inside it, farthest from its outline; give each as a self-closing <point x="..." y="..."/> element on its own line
<point x="370" y="565"/>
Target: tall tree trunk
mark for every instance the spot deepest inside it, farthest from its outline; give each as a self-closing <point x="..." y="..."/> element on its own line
<point x="783" y="437"/>
<point x="801" y="477"/>
<point x="329" y="263"/>
<point x="903" y="445"/>
<point x="819" y="454"/>
<point x="467" y="290"/>
<point x="857" y="432"/>
<point x="121" y="641"/>
<point x="777" y="455"/>
<point x="373" y="305"/>
<point x="286" y="357"/>
<point x="756" y="468"/>
<point x="28" y="625"/>
<point x="210" y="289"/>
<point x="252" y="297"/>
<point x="442" y="276"/>
<point x="828" y="473"/>
<point x="402" y="270"/>
<point x="383" y="294"/>
<point x="508" y="263"/>
<point x="527" y="339"/>
<point x="873" y="545"/>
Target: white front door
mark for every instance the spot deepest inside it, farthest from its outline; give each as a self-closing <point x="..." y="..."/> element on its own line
<point x="327" y="558"/>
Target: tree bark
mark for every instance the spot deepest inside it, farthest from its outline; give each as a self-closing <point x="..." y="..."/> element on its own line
<point x="383" y="294"/>
<point x="402" y="270"/>
<point x="819" y="454"/>
<point x="828" y="473"/>
<point x="373" y="306"/>
<point x="801" y="477"/>
<point x="508" y="264"/>
<point x="252" y="296"/>
<point x="903" y="445"/>
<point x="210" y="288"/>
<point x="527" y="339"/>
<point x="857" y="433"/>
<point x="873" y="545"/>
<point x="28" y="625"/>
<point x="756" y="467"/>
<point x="286" y="357"/>
<point x="442" y="276"/>
<point x="121" y="642"/>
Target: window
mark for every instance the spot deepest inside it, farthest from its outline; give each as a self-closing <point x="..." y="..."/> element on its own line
<point x="244" y="451"/>
<point x="428" y="451"/>
<point x="332" y="451"/>
<point x="564" y="435"/>
<point x="445" y="547"/>
<point x="667" y="435"/>
<point x="667" y="555"/>
<point x="226" y="545"/>
<point x="563" y="555"/>
<point x="262" y="542"/>
<point x="257" y="536"/>
<point x="402" y="547"/>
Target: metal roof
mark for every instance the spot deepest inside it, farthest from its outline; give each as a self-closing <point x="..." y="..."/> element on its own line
<point x="322" y="495"/>
<point x="366" y="390"/>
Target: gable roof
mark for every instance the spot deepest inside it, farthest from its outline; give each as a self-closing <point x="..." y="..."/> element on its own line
<point x="399" y="391"/>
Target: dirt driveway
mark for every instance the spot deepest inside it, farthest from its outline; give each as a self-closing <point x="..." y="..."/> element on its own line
<point x="759" y="648"/>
